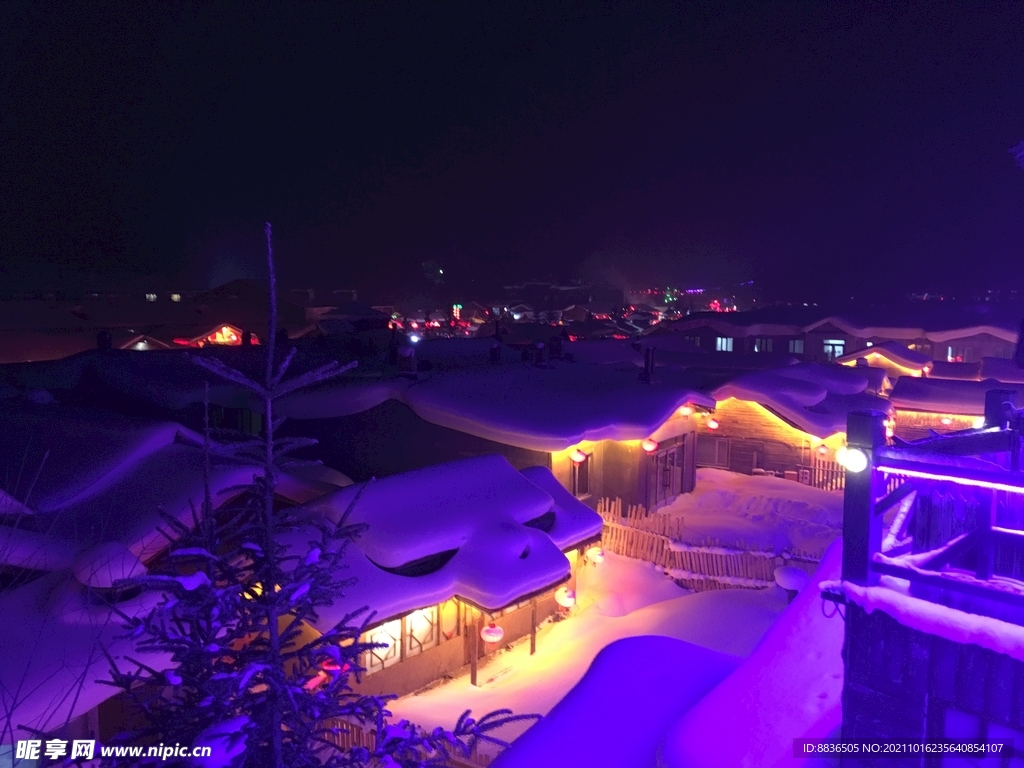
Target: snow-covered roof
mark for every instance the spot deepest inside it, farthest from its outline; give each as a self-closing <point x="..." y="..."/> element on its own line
<point x="946" y="395"/>
<point x="505" y="531"/>
<point x="817" y="399"/>
<point x="515" y="403"/>
<point x="893" y="352"/>
<point x="1001" y="369"/>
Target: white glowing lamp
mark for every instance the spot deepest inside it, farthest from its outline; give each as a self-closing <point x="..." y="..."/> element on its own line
<point x="650" y="446"/>
<point x="822" y="449"/>
<point x="979" y="422"/>
<point x="595" y="555"/>
<point x="686" y="410"/>
<point x="713" y="424"/>
<point x="578" y="456"/>
<point x="945" y="421"/>
<point x="852" y="459"/>
<point x="565" y="597"/>
<point x="492" y="633"/>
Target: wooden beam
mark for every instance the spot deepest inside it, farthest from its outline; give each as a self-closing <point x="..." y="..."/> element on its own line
<point x="894" y="498"/>
<point x="533" y="625"/>
<point x="474" y="648"/>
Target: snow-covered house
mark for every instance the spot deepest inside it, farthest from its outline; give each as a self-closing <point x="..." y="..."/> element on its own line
<point x="896" y="359"/>
<point x="601" y="431"/>
<point x="923" y="407"/>
<point x="456" y="561"/>
<point x="934" y="617"/>
<point x="82" y="495"/>
<point x="785" y="420"/>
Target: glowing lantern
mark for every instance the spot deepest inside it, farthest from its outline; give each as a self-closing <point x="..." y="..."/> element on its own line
<point x="686" y="410"/>
<point x="595" y="555"/>
<point x="565" y="597"/>
<point x="650" y="446"/>
<point x="578" y="456"/>
<point x="822" y="449"/>
<point x="492" y="633"/>
<point x="852" y="459"/>
<point x="945" y="421"/>
<point x="713" y="424"/>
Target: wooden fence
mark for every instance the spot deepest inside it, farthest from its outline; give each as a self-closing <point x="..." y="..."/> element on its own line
<point x="657" y="538"/>
<point x="352" y="735"/>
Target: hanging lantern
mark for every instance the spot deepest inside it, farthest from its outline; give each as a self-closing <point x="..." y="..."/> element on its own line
<point x="822" y="449"/>
<point x="945" y="421"/>
<point x="713" y="424"/>
<point x="650" y="446"/>
<point x="565" y="597"/>
<point x="492" y="633"/>
<point x="686" y="410"/>
<point x="578" y="456"/>
<point x="595" y="555"/>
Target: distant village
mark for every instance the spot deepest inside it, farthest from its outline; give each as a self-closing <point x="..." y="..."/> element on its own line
<point x="504" y="450"/>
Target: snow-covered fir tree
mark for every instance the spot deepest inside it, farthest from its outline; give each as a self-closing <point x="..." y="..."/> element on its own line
<point x="244" y="671"/>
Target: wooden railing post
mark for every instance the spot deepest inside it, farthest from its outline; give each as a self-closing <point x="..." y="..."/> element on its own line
<point x="862" y="531"/>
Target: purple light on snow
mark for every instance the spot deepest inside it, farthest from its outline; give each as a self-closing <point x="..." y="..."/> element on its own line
<point x="969" y="481"/>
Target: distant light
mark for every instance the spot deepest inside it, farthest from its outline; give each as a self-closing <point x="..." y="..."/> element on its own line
<point x="440" y="271"/>
<point x="713" y="424"/>
<point x="414" y="325"/>
<point x="578" y="456"/>
<point x="414" y="338"/>
<point x="852" y="459"/>
<point x="150" y="297"/>
<point x="650" y="446"/>
<point x="175" y="297"/>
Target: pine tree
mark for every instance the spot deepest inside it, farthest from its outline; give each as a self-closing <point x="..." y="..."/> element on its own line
<point x="241" y="589"/>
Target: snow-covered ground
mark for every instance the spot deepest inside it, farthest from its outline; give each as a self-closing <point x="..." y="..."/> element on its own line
<point x="734" y="510"/>
<point x="619" y="598"/>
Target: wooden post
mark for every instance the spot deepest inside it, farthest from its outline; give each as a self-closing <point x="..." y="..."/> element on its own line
<point x="862" y="529"/>
<point x="986" y="550"/>
<point x="474" y="648"/>
<point x="533" y="625"/>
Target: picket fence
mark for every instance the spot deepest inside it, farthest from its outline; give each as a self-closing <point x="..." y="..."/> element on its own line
<point x="711" y="565"/>
<point x="352" y="735"/>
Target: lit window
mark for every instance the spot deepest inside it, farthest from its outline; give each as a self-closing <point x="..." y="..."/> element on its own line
<point x="150" y="297"/>
<point x="389" y="635"/>
<point x="869" y="344"/>
<point x="420" y="630"/>
<point x="224" y="335"/>
<point x="723" y="343"/>
<point x="958" y="354"/>
<point x="834" y="348"/>
<point x="762" y="345"/>
<point x="175" y="297"/>
<point x="796" y="346"/>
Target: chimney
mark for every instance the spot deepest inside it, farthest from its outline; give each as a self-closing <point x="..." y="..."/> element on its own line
<point x="407" y="362"/>
<point x="541" y="355"/>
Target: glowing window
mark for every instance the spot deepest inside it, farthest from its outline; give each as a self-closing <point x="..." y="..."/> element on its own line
<point x="834" y="348"/>
<point x="150" y="297"/>
<point x="723" y="343"/>
<point x="763" y="345"/>
<point x="421" y="630"/>
<point x="796" y="346"/>
<point x="175" y="297"/>
<point x="224" y="335"/>
<point x="389" y="635"/>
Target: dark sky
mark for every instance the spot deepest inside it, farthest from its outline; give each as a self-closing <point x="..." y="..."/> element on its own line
<point x="819" y="148"/>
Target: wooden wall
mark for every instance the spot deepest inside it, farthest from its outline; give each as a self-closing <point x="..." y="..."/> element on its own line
<point x="904" y="684"/>
<point x="914" y="425"/>
<point x="757" y="438"/>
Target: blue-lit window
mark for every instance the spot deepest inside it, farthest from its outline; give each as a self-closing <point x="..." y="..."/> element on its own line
<point x="723" y="343"/>
<point x="796" y="346"/>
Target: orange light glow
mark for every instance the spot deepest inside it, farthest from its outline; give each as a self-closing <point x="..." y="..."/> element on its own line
<point x="578" y="456"/>
<point x="224" y="335"/>
<point x="686" y="410"/>
<point x="713" y="424"/>
<point x="649" y="445"/>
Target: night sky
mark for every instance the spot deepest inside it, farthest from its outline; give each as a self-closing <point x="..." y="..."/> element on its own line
<point x="821" y="149"/>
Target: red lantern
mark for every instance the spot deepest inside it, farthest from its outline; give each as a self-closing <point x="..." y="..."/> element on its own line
<point x="686" y="410"/>
<point x="713" y="424"/>
<point x="492" y="633"/>
<point x="578" y="456"/>
<point x="649" y="445"/>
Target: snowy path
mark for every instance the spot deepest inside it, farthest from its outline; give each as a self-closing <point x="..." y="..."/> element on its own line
<point x="619" y="598"/>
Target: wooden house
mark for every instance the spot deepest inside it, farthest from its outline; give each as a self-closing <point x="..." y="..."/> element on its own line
<point x="787" y="421"/>
<point x="897" y="360"/>
<point x="923" y="407"/>
<point x="602" y="431"/>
